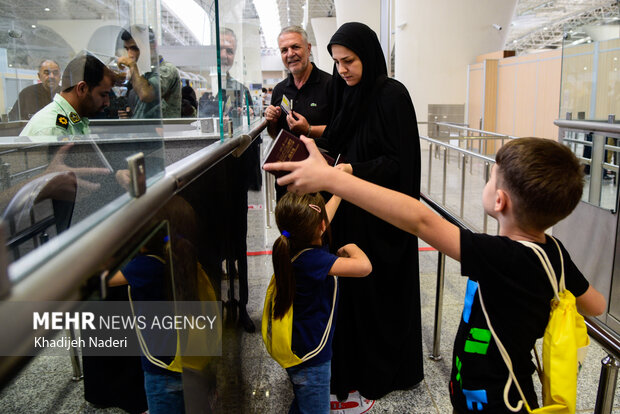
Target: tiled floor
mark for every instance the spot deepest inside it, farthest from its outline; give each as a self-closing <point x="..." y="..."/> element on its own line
<point x="249" y="381"/>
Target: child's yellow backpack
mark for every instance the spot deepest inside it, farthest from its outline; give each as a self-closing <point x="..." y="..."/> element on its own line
<point x="194" y="342"/>
<point x="278" y="333"/>
<point x="564" y="347"/>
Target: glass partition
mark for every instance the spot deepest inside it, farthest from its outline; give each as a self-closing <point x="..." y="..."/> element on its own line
<point x="240" y="81"/>
<point x="184" y="72"/>
<point x="590" y="91"/>
<point x="77" y="100"/>
<point x="141" y="74"/>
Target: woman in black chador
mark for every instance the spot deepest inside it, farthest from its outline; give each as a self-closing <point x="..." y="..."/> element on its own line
<point x="377" y="347"/>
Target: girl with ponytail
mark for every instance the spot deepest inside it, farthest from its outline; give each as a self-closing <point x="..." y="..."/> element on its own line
<point x="302" y="263"/>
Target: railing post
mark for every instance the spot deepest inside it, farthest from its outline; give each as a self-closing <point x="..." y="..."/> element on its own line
<point x="73" y="355"/>
<point x="485" y="216"/>
<point x="607" y="385"/>
<point x="596" y="169"/>
<point x="441" y="267"/>
<point x="463" y="173"/>
<point x="269" y="188"/>
<point x="430" y="170"/>
<point x="445" y="173"/>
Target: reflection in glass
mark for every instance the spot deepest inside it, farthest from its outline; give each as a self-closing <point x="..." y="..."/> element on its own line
<point x="63" y="81"/>
<point x="590" y="91"/>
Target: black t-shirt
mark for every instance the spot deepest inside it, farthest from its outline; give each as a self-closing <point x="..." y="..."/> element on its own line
<point x="517" y="295"/>
<point x="311" y="101"/>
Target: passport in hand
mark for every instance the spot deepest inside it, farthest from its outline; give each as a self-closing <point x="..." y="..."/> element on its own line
<point x="288" y="147"/>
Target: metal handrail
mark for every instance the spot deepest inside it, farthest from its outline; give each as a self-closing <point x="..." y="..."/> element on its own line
<point x="609" y="340"/>
<point x="464" y="154"/>
<point x="97" y="242"/>
<point x="480" y="131"/>
<point x="586" y="126"/>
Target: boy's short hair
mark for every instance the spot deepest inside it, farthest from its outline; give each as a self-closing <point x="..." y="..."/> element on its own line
<point x="544" y="180"/>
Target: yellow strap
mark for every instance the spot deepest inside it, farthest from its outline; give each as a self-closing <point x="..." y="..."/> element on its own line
<point x="145" y="350"/>
<point x="544" y="260"/>
<point x="325" y="336"/>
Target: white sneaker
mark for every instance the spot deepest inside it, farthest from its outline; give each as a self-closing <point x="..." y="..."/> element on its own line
<point x="355" y="404"/>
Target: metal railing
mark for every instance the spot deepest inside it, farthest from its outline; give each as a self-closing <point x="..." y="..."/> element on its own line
<point x="472" y="139"/>
<point x="98" y="239"/>
<point x="22" y="155"/>
<point x="596" y="146"/>
<point x="442" y="152"/>
<point x="597" y="331"/>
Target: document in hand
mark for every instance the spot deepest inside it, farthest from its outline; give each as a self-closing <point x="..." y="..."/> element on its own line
<point x="287" y="147"/>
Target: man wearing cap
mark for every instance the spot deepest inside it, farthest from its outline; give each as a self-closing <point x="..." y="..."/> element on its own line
<point x="86" y="85"/>
<point x="34" y="97"/>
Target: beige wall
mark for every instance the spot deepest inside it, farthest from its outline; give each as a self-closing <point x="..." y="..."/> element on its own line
<point x="475" y="98"/>
<point x="577" y="80"/>
<point x="608" y="80"/>
<point x="591" y="80"/>
<point x="528" y="92"/>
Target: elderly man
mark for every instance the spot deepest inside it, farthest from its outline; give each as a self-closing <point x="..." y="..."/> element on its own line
<point x="307" y="87"/>
<point x="235" y="95"/>
<point x="86" y="85"/>
<point x="34" y="97"/>
<point x="147" y="86"/>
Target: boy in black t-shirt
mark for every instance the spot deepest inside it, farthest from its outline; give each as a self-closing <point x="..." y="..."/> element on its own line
<point x="534" y="184"/>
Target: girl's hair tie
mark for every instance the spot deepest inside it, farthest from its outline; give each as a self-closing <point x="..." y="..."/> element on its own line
<point x="286" y="234"/>
<point x="315" y="207"/>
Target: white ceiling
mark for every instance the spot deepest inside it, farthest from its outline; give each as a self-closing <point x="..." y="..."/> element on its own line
<point x="537" y="23"/>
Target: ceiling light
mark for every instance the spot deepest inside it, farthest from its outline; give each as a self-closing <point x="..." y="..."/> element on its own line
<point x="34" y="26"/>
<point x="47" y="9"/>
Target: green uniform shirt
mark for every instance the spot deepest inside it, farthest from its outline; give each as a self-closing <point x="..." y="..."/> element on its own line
<point x="167" y="84"/>
<point x="57" y="121"/>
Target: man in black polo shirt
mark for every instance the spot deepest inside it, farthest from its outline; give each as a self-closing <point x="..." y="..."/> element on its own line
<point x="307" y="87"/>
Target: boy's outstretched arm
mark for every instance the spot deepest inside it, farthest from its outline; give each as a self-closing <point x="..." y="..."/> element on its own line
<point x="313" y="174"/>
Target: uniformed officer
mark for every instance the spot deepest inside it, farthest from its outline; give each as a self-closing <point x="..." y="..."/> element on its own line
<point x="86" y="85"/>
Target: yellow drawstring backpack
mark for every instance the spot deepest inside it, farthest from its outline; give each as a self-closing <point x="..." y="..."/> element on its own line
<point x="278" y="333"/>
<point x="195" y="341"/>
<point x="564" y="347"/>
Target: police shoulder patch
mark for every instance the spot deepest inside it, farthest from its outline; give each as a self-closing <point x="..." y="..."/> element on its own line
<point x="75" y="118"/>
<point x="62" y="121"/>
